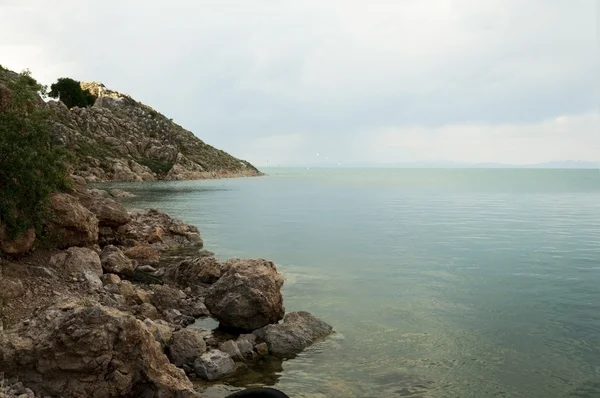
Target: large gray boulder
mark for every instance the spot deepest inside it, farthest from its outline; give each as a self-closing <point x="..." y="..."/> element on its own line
<point x="214" y="365"/>
<point x="90" y="351"/>
<point x="297" y="331"/>
<point x="247" y="296"/>
<point x="187" y="345"/>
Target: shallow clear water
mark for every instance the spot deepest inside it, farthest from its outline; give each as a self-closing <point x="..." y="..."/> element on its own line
<point x="441" y="283"/>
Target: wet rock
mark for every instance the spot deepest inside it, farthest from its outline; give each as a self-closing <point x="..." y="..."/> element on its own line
<point x="91" y="351"/>
<point x="187" y="345"/>
<point x="214" y="365"/>
<point x="219" y="391"/>
<point x="262" y="349"/>
<point x="72" y="224"/>
<point x="114" y="261"/>
<point x="230" y="348"/>
<point x="297" y="331"/>
<point x="245" y="344"/>
<point x="119" y="193"/>
<point x="247" y="296"/>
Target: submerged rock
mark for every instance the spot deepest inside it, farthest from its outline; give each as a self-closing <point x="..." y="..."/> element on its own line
<point x="247" y="296"/>
<point x="214" y="365"/>
<point x="297" y="331"/>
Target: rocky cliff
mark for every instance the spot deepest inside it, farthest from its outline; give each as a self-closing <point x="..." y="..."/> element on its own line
<point x="121" y="139"/>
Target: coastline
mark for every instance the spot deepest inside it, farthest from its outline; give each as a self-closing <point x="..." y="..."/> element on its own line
<point x="111" y="267"/>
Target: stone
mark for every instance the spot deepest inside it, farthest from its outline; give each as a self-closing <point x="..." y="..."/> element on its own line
<point x="77" y="260"/>
<point x="119" y="193"/>
<point x="245" y="344"/>
<point x="189" y="273"/>
<point x="142" y="252"/>
<point x="114" y="261"/>
<point x="161" y="330"/>
<point x="262" y="349"/>
<point x="247" y="296"/>
<point x="205" y="253"/>
<point x="146" y="268"/>
<point x="72" y="224"/>
<point x="230" y="347"/>
<point x="177" y="318"/>
<point x="214" y="365"/>
<point x="90" y="351"/>
<point x="297" y="331"/>
<point x="187" y="345"/>
<point x="20" y="244"/>
<point x="146" y="310"/>
<point x="219" y="391"/>
<point x="11" y="288"/>
<point x="110" y="279"/>
<point x="108" y="211"/>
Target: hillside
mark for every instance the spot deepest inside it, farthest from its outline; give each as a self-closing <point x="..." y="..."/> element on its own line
<point x="121" y="139"/>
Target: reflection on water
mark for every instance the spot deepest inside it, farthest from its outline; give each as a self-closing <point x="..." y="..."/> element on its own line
<point x="439" y="283"/>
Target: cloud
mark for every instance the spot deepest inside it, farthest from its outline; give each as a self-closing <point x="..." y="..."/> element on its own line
<point x="237" y="72"/>
<point x="566" y="137"/>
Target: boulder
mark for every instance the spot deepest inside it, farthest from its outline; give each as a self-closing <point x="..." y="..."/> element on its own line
<point x="187" y="345"/>
<point x="72" y="224"/>
<point x="18" y="244"/>
<point x="156" y="228"/>
<point x="90" y="351"/>
<point x="247" y="296"/>
<point x="231" y="348"/>
<point x="190" y="273"/>
<point x="146" y="310"/>
<point x="82" y="262"/>
<point x="297" y="331"/>
<point x="114" y="261"/>
<point x="77" y="260"/>
<point x="109" y="212"/>
<point x="214" y="365"/>
<point x="161" y="330"/>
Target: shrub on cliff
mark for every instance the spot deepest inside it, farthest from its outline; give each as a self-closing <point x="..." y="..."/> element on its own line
<point x="69" y="91"/>
<point x="30" y="168"/>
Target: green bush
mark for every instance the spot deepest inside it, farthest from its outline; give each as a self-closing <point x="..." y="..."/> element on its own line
<point x="69" y="91"/>
<point x="30" y="168"/>
<point x="158" y="166"/>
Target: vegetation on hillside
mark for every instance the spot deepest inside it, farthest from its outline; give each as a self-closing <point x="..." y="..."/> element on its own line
<point x="69" y="91"/>
<point x="30" y="168"/>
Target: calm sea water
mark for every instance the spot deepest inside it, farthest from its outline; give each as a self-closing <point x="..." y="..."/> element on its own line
<point x="440" y="283"/>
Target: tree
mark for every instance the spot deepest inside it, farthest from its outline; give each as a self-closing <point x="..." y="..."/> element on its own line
<point x="69" y="91"/>
<point x="30" y="168"/>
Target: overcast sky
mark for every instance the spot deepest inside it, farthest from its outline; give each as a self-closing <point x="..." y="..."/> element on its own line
<point x="306" y="81"/>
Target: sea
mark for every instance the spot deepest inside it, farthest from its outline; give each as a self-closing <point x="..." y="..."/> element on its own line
<point x="438" y="282"/>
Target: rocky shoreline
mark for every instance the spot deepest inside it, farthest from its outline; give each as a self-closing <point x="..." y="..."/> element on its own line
<point x="93" y="310"/>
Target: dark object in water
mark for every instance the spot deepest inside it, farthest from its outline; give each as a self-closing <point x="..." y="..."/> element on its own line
<point x="261" y="392"/>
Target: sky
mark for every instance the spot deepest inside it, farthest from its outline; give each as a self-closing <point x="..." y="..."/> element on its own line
<point x="337" y="81"/>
